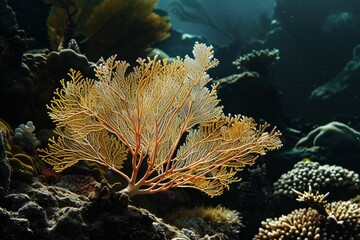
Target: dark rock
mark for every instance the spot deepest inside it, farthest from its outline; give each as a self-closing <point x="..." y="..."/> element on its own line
<point x="69" y="225"/>
<point x="5" y="170"/>
<point x="47" y="213"/>
<point x="15" y="201"/>
<point x="8" y="23"/>
<point x="44" y="199"/>
<point x="37" y="219"/>
<point x="13" y="227"/>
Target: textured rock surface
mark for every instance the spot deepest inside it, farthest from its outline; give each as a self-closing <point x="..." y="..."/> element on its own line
<point x="5" y="170"/>
<point x="38" y="211"/>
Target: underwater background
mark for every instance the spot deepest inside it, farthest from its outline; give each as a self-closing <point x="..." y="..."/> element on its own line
<point x="290" y="65"/>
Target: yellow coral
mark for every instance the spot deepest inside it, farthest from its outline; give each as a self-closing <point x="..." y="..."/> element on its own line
<point x="127" y="27"/>
<point x="206" y="220"/>
<point x="214" y="215"/>
<point x="147" y="113"/>
<point x="335" y="220"/>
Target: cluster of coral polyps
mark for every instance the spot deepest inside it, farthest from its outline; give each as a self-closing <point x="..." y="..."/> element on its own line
<point x="25" y="164"/>
<point x="218" y="221"/>
<point x="338" y="220"/>
<point x="323" y="178"/>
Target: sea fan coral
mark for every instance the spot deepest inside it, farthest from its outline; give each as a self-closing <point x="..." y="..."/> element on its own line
<point x="147" y="113"/>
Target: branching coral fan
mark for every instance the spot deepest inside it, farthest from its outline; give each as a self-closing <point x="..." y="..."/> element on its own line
<point x="328" y="221"/>
<point x="146" y="114"/>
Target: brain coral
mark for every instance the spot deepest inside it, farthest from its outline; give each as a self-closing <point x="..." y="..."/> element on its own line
<point x="24" y="165"/>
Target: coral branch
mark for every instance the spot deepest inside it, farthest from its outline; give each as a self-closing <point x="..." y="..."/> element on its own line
<point x="146" y="114"/>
